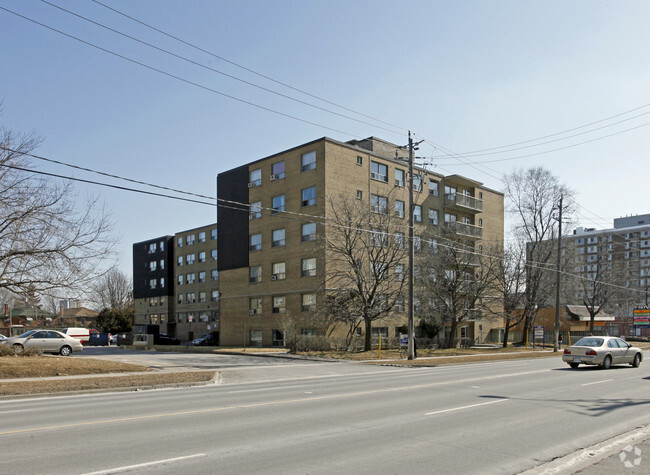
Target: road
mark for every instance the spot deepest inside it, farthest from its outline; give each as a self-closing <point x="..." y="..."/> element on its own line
<point x="500" y="417"/>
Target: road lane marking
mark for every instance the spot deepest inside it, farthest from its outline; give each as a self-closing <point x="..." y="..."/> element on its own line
<point x="597" y="382"/>
<point x="267" y="404"/>
<point x="142" y="465"/>
<point x="464" y="407"/>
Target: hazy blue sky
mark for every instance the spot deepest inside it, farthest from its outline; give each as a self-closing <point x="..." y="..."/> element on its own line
<point x="464" y="75"/>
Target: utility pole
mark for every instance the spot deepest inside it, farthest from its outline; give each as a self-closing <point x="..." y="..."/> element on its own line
<point x="556" y="333"/>
<point x="411" y="344"/>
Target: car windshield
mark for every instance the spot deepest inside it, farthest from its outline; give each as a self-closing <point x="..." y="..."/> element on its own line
<point x="26" y="334"/>
<point x="589" y="342"/>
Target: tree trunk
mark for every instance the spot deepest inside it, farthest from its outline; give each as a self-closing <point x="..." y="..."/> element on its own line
<point x="368" y="340"/>
<point x="451" y="339"/>
<point x="506" y="331"/>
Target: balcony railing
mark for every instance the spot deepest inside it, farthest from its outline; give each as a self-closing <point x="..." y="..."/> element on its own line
<point x="467" y="230"/>
<point x="465" y="202"/>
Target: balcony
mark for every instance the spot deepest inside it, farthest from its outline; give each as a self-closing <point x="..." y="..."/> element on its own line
<point x="466" y="230"/>
<point x="466" y="203"/>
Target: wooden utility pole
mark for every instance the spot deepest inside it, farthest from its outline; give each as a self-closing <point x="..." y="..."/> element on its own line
<point x="556" y="333"/>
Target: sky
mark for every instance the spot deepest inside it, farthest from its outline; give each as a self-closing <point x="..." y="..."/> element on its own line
<point x="566" y="81"/>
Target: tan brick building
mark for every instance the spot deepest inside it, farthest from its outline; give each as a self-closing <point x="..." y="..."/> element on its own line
<point x="272" y="210"/>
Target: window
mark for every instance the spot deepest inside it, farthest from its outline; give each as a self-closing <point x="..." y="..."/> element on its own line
<point x="162" y="283"/>
<point x="202" y="236"/>
<point x="180" y="280"/>
<point x="214" y="274"/>
<point x="378" y="237"/>
<point x="278" y="271"/>
<point x="378" y="204"/>
<point x="190" y="278"/>
<point x="255" y="210"/>
<point x="162" y="246"/>
<point x="450" y="192"/>
<point x="213" y="254"/>
<point x="278" y="337"/>
<point x="399" y="272"/>
<point x="433" y="216"/>
<point x="379" y="270"/>
<point x="450" y="218"/>
<point x="278" y="238"/>
<point x="255" y="178"/>
<point x="308" y="161"/>
<point x="153" y="283"/>
<point x="153" y="247"/>
<point x="202" y="256"/>
<point x="256" y="338"/>
<point x="309" y="267"/>
<point x="153" y="265"/>
<point x="255" y="274"/>
<point x="278" y="204"/>
<point x="190" y="258"/>
<point x="255" y="305"/>
<point x="433" y="187"/>
<point x="189" y="239"/>
<point x="417" y="182"/>
<point x="433" y="246"/>
<point x="359" y="194"/>
<point x="417" y="213"/>
<point x="399" y="208"/>
<point x="213" y="234"/>
<point x="480" y="221"/>
<point x="179" y="242"/>
<point x="202" y="276"/>
<point x="359" y="160"/>
<point x="399" y="177"/>
<point x="399" y="240"/>
<point x="180" y="298"/>
<point x="383" y="331"/>
<point x="277" y="170"/>
<point x="190" y="297"/>
<point x="255" y="242"/>
<point x="417" y="243"/>
<point x="203" y="297"/>
<point x="279" y="304"/>
<point x="309" y="196"/>
<point x="162" y="264"/>
<point x="308" y="302"/>
<point x="214" y="296"/>
<point x="379" y="172"/>
<point x="309" y="232"/>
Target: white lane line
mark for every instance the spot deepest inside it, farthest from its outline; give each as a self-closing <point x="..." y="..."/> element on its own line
<point x="141" y="465"/>
<point x="464" y="407"/>
<point x="274" y="388"/>
<point x="597" y="382"/>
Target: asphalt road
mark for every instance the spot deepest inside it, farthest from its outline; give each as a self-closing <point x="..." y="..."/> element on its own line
<point x="502" y="417"/>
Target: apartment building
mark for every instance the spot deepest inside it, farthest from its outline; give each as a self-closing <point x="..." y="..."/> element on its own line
<point x="176" y="283"/>
<point x="271" y="213"/>
<point x="619" y="256"/>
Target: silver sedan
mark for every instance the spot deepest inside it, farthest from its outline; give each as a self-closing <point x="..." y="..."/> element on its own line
<point x="48" y="341"/>
<point x="603" y="351"/>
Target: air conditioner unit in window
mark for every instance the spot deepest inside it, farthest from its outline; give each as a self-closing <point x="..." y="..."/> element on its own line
<point x="252" y="312"/>
<point x="251" y="216"/>
<point x="274" y="177"/>
<point x="250" y="184"/>
<point x="398" y="183"/>
<point x="274" y="277"/>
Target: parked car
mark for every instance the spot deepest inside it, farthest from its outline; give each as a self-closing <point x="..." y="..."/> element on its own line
<point x="603" y="351"/>
<point x="2" y="337"/>
<point x="81" y="334"/>
<point x="165" y="339"/>
<point x="48" y="341"/>
<point x="205" y="340"/>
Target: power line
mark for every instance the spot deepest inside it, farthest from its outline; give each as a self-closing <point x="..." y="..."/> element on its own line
<point x="196" y="63"/>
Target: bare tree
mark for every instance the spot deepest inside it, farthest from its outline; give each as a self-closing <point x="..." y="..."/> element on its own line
<point x="510" y="277"/>
<point x="455" y="280"/>
<point x="113" y="290"/>
<point x="46" y="241"/>
<point x="364" y="243"/>
<point x="532" y="198"/>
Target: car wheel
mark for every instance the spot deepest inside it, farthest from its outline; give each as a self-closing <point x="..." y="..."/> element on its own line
<point x="17" y="348"/>
<point x="607" y="362"/>
<point x="637" y="360"/>
<point x="574" y="365"/>
<point x="65" y="351"/>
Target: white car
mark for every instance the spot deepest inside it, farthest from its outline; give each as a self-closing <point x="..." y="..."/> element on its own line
<point x="48" y="341"/>
<point x="603" y="351"/>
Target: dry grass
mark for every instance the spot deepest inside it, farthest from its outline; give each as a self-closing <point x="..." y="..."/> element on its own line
<point x="105" y="383"/>
<point x="118" y="377"/>
<point x="46" y="366"/>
